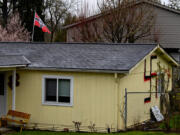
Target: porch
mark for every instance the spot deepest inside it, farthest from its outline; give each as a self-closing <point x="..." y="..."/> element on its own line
<point x="8" y="67"/>
<point x="5" y="81"/>
<point x="4" y="72"/>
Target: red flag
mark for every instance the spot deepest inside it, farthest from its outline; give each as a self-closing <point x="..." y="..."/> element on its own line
<point x="39" y="23"/>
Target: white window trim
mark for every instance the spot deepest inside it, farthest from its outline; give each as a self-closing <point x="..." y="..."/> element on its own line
<point x="57" y="103"/>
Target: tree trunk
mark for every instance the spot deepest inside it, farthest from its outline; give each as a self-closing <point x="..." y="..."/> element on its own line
<point x="14" y="5"/>
<point x="52" y="35"/>
<point x="5" y="12"/>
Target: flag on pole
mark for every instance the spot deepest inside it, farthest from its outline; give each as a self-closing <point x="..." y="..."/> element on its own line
<point x="39" y="23"/>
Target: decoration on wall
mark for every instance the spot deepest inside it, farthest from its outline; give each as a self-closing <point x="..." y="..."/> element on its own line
<point x="161" y="77"/>
<point x="10" y="81"/>
<point x="146" y="78"/>
<point x="147" y="100"/>
<point x="153" y="74"/>
<point x="149" y="77"/>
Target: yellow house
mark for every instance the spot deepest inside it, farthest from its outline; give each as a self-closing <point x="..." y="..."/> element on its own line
<point x="63" y="84"/>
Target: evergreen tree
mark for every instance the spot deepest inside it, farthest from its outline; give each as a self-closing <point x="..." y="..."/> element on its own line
<point x="5" y="9"/>
<point x="27" y="8"/>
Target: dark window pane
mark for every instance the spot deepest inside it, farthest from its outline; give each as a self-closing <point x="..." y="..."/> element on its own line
<point x="1" y="84"/>
<point x="64" y="91"/>
<point x="51" y="85"/>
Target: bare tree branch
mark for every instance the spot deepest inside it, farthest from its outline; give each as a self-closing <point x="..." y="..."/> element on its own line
<point x="121" y="21"/>
<point x="56" y="11"/>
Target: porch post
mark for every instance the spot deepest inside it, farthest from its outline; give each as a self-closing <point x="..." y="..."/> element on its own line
<point x="14" y="90"/>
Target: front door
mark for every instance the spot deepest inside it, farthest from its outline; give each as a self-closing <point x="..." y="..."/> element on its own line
<point x="2" y="95"/>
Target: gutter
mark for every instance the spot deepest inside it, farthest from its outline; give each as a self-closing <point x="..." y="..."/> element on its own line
<point x="13" y="66"/>
<point x="78" y="70"/>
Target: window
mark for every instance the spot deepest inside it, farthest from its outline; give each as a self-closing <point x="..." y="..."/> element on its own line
<point x="57" y="90"/>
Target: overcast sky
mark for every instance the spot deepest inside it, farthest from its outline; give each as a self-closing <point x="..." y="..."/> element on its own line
<point x="93" y="5"/>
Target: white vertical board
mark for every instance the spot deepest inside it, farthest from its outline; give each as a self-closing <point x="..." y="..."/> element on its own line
<point x="157" y="114"/>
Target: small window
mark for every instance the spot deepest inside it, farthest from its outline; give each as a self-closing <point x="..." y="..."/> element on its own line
<point x="57" y="90"/>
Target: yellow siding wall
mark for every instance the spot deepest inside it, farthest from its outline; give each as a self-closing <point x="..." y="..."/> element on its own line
<point x="94" y="99"/>
<point x="98" y="97"/>
<point x="137" y="111"/>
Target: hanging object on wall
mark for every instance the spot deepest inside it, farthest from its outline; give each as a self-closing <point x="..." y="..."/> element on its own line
<point x="146" y="78"/>
<point x="147" y="100"/>
<point x="10" y="81"/>
<point x="153" y="56"/>
<point x="154" y="74"/>
<point x="149" y="77"/>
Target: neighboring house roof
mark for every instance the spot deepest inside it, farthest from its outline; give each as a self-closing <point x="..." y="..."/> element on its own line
<point x="156" y="4"/>
<point x="13" y="61"/>
<point x="174" y="52"/>
<point x="75" y="56"/>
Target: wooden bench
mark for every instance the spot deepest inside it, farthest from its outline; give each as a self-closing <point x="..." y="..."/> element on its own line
<point x="15" y="117"/>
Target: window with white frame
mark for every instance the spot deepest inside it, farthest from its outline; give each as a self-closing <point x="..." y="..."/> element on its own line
<point x="57" y="90"/>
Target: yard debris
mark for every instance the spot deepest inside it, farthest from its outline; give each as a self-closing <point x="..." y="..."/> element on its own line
<point x="157" y="114"/>
<point x="149" y="125"/>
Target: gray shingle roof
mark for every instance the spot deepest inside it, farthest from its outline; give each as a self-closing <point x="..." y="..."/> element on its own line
<point x="13" y="60"/>
<point x="106" y="57"/>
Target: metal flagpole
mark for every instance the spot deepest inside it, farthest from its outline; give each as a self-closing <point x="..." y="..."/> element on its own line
<point x="33" y="27"/>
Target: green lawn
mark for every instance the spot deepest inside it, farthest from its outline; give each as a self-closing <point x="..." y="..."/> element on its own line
<point x="174" y="122"/>
<point x="65" y="133"/>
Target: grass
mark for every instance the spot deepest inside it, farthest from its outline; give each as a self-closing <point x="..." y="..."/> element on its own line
<point x="70" y="133"/>
<point x="174" y="122"/>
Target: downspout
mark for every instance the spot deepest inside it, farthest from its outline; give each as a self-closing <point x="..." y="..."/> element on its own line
<point x="125" y="109"/>
<point x="116" y="88"/>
